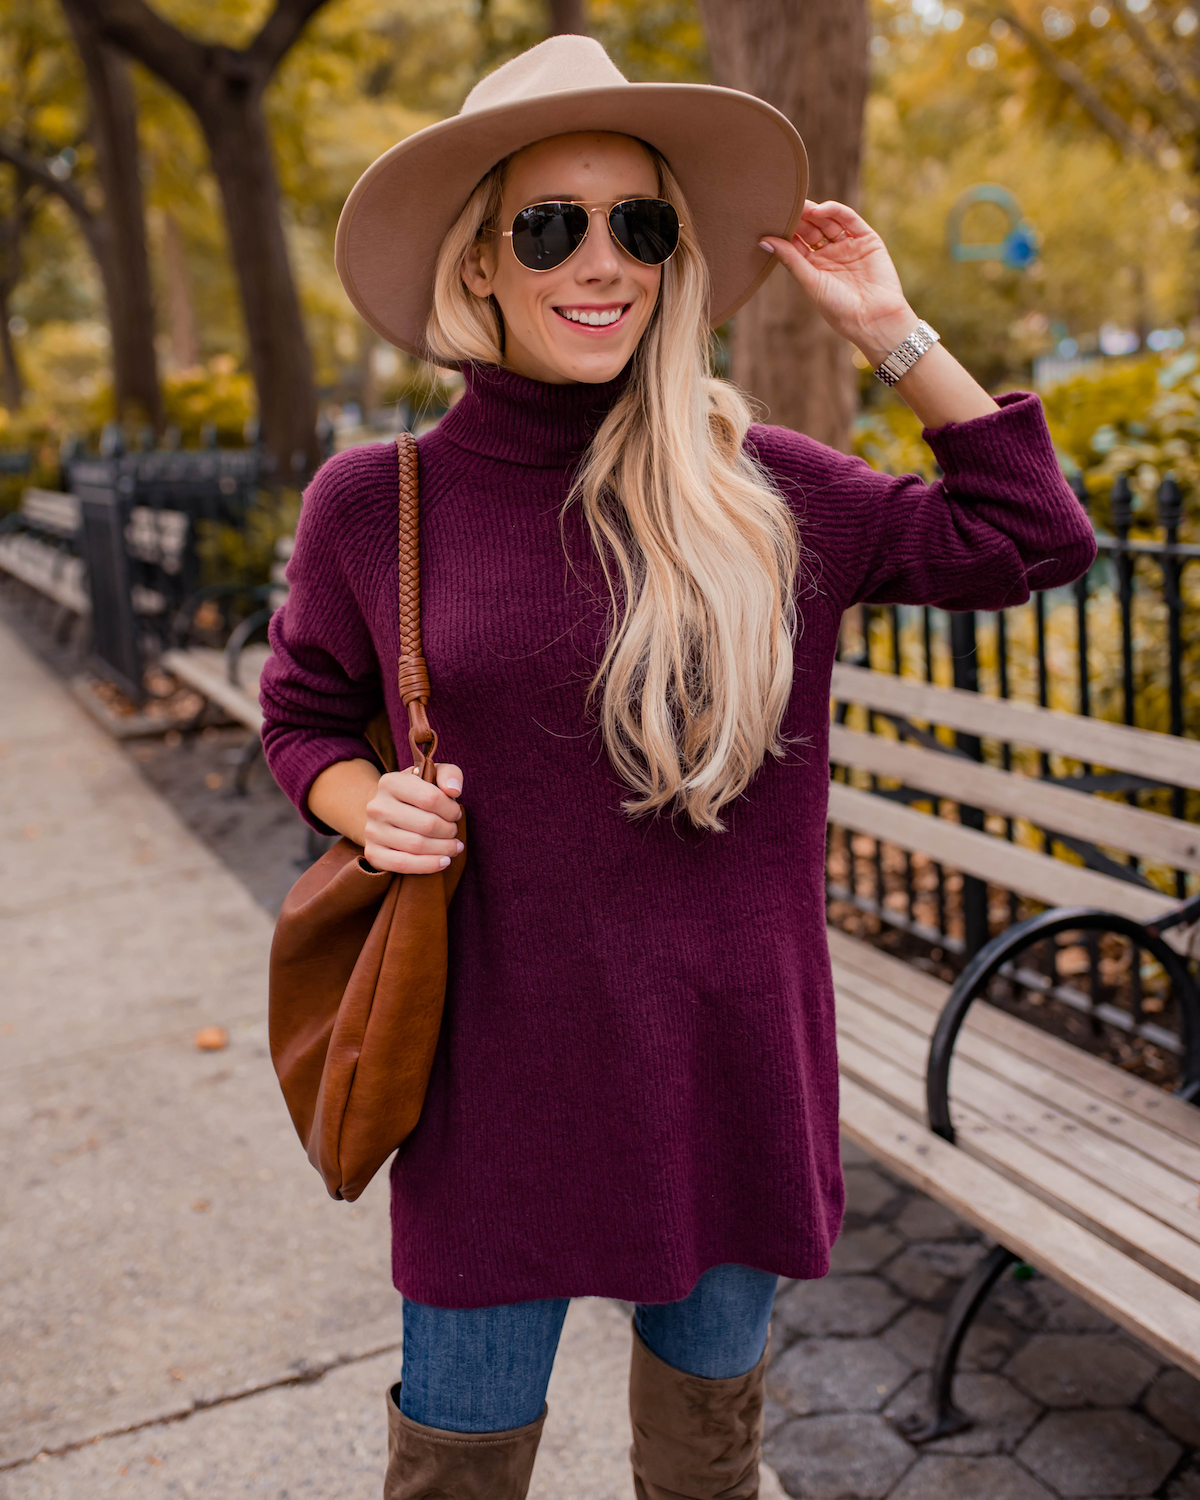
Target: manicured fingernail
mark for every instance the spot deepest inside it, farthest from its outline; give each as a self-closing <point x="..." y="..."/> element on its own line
<point x="766" y="245"/>
<point x="453" y="786"/>
<point x="459" y="846"/>
<point x="444" y="861"/>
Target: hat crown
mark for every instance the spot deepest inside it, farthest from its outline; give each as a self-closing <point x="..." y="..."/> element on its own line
<point x="555" y="66"/>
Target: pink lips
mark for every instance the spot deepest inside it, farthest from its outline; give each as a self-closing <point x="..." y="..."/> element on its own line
<point x="595" y="330"/>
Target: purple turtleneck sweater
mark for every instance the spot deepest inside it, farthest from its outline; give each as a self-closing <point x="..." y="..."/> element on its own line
<point x="636" y="1078"/>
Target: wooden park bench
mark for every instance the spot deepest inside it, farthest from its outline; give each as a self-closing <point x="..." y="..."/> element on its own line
<point x="1086" y="1172"/>
<point x="229" y="677"/>
<point x="41" y="545"/>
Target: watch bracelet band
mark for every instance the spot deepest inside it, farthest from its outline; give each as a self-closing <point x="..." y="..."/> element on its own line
<point x="901" y="360"/>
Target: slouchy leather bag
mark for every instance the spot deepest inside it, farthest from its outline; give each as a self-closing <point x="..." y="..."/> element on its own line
<point x="358" y="962"/>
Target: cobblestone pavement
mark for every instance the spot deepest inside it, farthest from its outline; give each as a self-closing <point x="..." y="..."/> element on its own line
<point x="1065" y="1404"/>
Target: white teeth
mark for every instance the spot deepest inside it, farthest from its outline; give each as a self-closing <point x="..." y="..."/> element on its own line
<point x="592" y="319"/>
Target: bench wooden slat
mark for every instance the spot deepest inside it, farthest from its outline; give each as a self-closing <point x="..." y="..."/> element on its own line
<point x="1101" y="1078"/>
<point x="1140" y="1180"/>
<point x="52" y="510"/>
<point x="1104" y="1116"/>
<point x="1158" y="757"/>
<point x="205" y="671"/>
<point x="1150" y="1307"/>
<point x="1096" y="1205"/>
<point x="60" y="577"/>
<point x="1080" y="814"/>
<point x="1052" y="881"/>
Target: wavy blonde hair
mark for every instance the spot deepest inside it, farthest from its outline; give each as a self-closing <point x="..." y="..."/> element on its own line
<point x="699" y="550"/>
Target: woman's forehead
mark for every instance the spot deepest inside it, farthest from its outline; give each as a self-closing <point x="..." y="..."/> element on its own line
<point x="571" y="166"/>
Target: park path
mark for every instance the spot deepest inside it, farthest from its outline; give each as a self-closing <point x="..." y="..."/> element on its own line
<point x="183" y="1310"/>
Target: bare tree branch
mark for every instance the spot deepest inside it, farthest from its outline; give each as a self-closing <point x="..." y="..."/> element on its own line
<point x="1185" y="86"/>
<point x="1072" y="77"/>
<point x="280" y="31"/>
<point x="38" y="171"/>
<point x="144" y="35"/>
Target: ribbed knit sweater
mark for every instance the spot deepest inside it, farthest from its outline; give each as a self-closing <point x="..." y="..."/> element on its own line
<point x="636" y="1077"/>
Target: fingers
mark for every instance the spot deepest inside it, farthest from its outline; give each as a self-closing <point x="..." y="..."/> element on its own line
<point x="396" y="863"/>
<point x="793" y="257"/>
<point x="450" y="779"/>
<point x="412" y="826"/>
<point x="401" y="788"/>
<point x="830" y="222"/>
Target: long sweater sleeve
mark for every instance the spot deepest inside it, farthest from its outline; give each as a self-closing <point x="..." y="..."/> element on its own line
<point x="321" y="685"/>
<point x="1001" y="523"/>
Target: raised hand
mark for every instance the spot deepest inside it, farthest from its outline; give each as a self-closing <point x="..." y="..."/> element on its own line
<point x="845" y="269"/>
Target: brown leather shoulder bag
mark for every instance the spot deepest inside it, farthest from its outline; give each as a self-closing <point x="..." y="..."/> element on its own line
<point x="358" y="962"/>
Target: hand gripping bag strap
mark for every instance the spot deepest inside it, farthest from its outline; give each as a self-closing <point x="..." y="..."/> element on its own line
<point x="358" y="963"/>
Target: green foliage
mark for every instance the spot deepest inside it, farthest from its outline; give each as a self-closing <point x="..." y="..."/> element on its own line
<point x="245" y="553"/>
<point x="1117" y="232"/>
<point x="888" y="436"/>
<point x="220" y="396"/>
<point x="1138" y="417"/>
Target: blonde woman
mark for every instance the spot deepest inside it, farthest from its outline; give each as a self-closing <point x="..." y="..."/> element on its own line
<point x="631" y="598"/>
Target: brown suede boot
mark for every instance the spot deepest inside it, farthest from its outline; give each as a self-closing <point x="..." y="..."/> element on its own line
<point x="694" y="1439"/>
<point x="425" y="1463"/>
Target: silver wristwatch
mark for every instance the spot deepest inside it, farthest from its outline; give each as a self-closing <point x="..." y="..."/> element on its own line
<point x="901" y="360"/>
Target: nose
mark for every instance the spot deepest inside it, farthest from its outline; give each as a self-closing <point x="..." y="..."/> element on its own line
<point x="599" y="256"/>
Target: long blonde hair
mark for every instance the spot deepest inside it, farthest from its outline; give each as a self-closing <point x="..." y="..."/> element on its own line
<point x="699" y="550"/>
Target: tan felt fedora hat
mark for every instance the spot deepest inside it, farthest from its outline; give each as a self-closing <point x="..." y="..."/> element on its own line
<point x="740" y="162"/>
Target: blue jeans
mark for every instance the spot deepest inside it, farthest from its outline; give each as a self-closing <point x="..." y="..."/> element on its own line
<point x="486" y="1369"/>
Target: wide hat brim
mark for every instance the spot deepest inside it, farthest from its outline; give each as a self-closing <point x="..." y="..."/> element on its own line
<point x="741" y="164"/>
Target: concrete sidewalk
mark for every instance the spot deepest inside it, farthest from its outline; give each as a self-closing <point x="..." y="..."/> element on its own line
<point x="184" y="1311"/>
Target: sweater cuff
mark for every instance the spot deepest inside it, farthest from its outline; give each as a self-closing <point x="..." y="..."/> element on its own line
<point x="988" y="442"/>
<point x="298" y="771"/>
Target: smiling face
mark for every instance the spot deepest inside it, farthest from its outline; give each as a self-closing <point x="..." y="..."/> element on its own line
<point x="581" y="321"/>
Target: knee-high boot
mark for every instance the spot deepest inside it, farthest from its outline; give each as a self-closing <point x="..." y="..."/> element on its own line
<point x="694" y="1439"/>
<point x="425" y="1463"/>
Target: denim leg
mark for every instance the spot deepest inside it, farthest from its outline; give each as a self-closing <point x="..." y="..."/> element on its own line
<point x="479" y="1369"/>
<point x="719" y="1329"/>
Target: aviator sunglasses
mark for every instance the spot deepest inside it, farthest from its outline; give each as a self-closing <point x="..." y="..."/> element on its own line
<point x="544" y="235"/>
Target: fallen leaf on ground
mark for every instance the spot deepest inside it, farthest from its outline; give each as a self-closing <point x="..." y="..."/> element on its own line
<point x="211" y="1039"/>
<point x="201" y="1206"/>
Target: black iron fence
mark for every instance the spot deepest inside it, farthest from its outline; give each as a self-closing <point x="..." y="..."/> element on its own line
<point x="1123" y="644"/>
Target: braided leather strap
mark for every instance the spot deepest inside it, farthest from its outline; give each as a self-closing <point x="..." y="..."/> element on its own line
<point x="412" y="673"/>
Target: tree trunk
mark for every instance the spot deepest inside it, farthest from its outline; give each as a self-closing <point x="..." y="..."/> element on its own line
<point x="568" y="17"/>
<point x="235" y="130"/>
<point x="12" y="231"/>
<point x="809" y="59"/>
<point x="12" y="387"/>
<point x="127" y="277"/>
<point x="224" y="87"/>
<point x="181" y="313"/>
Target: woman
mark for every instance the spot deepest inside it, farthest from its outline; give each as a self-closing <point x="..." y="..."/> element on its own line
<point x="631" y="600"/>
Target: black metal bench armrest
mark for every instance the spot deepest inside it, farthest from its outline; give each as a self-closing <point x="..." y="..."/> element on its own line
<point x="241" y="637"/>
<point x="972" y="984"/>
<point x="181" y="625"/>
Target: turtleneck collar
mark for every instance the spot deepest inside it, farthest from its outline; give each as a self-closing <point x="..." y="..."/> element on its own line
<point x="508" y="417"/>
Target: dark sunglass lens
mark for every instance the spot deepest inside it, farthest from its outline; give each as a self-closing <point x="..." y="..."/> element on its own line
<point x="647" y="227"/>
<point x="546" y="234"/>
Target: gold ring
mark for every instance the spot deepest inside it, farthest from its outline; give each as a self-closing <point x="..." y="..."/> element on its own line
<point x="821" y="243"/>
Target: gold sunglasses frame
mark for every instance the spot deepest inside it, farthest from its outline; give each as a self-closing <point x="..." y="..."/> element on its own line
<point x="591" y="208"/>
